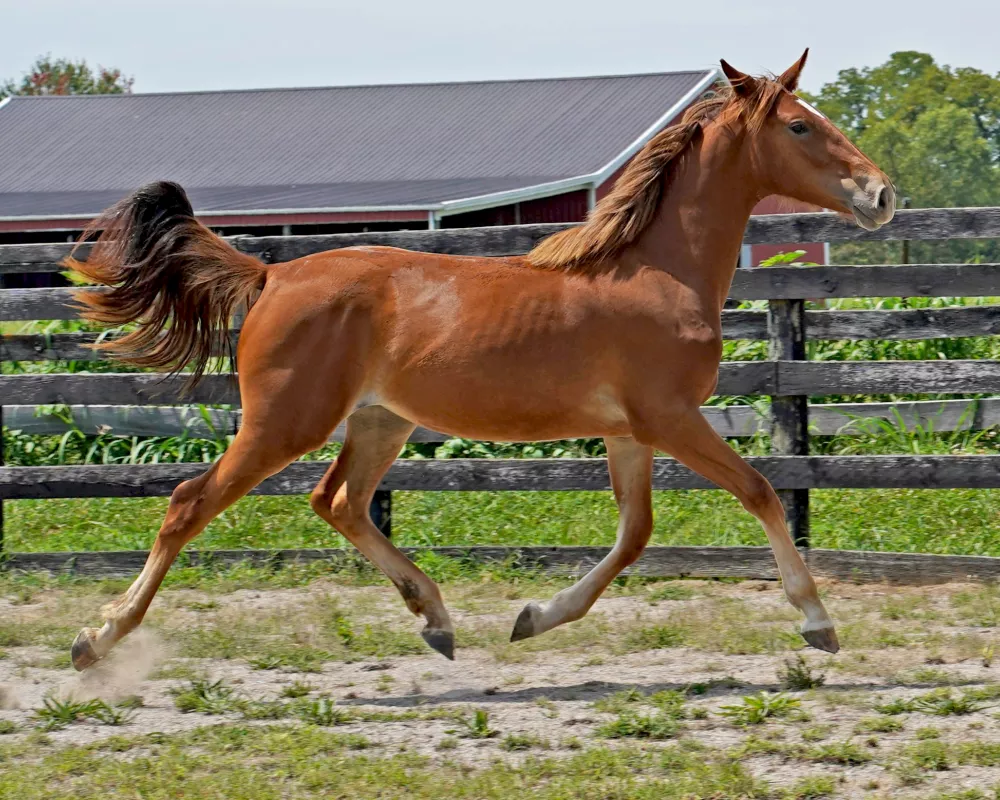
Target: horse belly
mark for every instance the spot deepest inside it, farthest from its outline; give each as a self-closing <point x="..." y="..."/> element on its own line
<point x="508" y="406"/>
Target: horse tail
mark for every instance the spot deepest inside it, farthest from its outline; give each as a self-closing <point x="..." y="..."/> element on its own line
<point x="169" y="274"/>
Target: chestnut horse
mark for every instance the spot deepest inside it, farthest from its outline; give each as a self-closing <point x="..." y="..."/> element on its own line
<point x="609" y="329"/>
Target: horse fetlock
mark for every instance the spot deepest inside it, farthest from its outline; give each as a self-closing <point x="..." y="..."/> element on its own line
<point x="409" y="590"/>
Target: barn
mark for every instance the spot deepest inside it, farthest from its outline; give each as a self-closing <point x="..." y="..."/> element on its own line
<point x="337" y="159"/>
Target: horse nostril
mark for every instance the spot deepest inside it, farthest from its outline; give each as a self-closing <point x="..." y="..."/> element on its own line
<point x="882" y="201"/>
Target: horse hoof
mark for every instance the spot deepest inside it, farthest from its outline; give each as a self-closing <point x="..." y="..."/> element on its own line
<point x="822" y="639"/>
<point x="83" y="652"/>
<point x="440" y="640"/>
<point x="526" y="625"/>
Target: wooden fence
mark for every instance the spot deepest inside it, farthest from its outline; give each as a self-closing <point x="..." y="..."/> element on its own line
<point x="145" y="404"/>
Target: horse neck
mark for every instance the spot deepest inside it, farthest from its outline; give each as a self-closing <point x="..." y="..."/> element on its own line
<point x="698" y="229"/>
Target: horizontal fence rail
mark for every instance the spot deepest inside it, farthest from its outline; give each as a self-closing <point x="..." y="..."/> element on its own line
<point x="771" y="283"/>
<point x="144" y="404"/>
<point x="504" y="475"/>
<point x="735" y="378"/>
<point x="730" y="421"/>
<point x="915" y="224"/>
<point x="753" y="563"/>
<point x="919" y="323"/>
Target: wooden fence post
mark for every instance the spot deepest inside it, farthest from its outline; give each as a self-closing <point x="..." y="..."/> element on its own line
<point x="786" y="326"/>
<point x="381" y="511"/>
<point x="1" y="499"/>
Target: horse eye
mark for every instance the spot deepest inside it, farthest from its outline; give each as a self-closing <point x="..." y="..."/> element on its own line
<point x="798" y="128"/>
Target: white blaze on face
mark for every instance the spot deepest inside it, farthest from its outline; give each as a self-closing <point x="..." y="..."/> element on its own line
<point x="805" y="105"/>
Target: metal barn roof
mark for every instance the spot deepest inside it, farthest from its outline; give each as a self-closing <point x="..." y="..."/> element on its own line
<point x="418" y="146"/>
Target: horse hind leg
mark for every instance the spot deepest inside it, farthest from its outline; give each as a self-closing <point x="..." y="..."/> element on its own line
<point x="193" y="504"/>
<point x="343" y="498"/>
<point x="631" y="468"/>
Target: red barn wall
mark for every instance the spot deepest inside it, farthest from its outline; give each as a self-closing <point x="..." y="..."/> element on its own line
<point x="567" y="207"/>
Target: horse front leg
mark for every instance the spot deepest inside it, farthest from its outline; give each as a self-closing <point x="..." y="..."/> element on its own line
<point x="691" y="440"/>
<point x="631" y="468"/>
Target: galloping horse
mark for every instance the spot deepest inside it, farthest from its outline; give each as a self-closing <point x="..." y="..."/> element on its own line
<point x="609" y="329"/>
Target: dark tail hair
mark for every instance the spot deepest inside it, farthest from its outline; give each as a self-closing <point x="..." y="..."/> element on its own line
<point x="169" y="273"/>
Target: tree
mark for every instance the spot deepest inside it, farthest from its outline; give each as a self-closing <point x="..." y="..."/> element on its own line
<point x="934" y="129"/>
<point x="62" y="76"/>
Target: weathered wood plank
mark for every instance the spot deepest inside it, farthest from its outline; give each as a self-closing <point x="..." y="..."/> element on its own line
<point x="918" y="569"/>
<point x="193" y="421"/>
<point x="912" y="280"/>
<point x="753" y="563"/>
<point x="914" y="224"/>
<point x="30" y="304"/>
<point x="130" y="389"/>
<point x="735" y="378"/>
<point x="507" y="240"/>
<point x="730" y="422"/>
<point x="931" y="323"/>
<point x="887" y="377"/>
<point x="734" y="421"/>
<point x="150" y="421"/>
<point x="492" y="475"/>
<point x="157" y="389"/>
<point x="936" y="415"/>
<point x="776" y="283"/>
<point x="71" y="346"/>
<point x="33" y="257"/>
<point x="51" y="347"/>
<point x="917" y="323"/>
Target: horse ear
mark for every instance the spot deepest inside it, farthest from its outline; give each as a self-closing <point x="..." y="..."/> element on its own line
<point x="790" y="77"/>
<point x="742" y="83"/>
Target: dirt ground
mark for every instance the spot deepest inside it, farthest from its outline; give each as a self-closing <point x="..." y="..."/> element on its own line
<point x="708" y="645"/>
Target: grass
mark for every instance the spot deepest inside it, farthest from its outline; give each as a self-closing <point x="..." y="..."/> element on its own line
<point x="955" y="521"/>
<point x="757" y="709"/>
<point x="323" y="711"/>
<point x="476" y="726"/>
<point x="202" y="696"/>
<point x="939" y="702"/>
<point x="797" y="675"/>
<point x="296" y="689"/>
<point x="636" y="725"/>
<point x="514" y="742"/>
<point x="267" y="763"/>
<point x="879" y="725"/>
<point x="57" y="713"/>
<point x="811" y="788"/>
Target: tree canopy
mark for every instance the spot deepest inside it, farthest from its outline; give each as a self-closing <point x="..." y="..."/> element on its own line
<point x="63" y="76"/>
<point x="934" y="129"/>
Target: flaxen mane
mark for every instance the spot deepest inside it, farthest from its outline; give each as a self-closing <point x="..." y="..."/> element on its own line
<point x="618" y="219"/>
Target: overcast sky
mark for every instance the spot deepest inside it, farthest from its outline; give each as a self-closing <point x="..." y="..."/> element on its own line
<point x="182" y="45"/>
